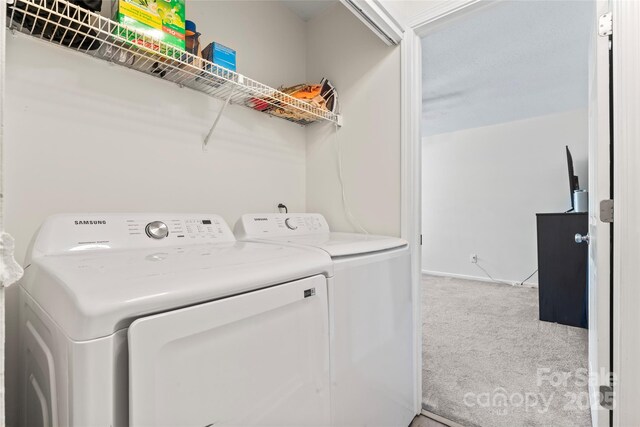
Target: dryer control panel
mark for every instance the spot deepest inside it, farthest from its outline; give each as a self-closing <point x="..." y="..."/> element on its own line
<point x="77" y="232"/>
<point x="272" y="225"/>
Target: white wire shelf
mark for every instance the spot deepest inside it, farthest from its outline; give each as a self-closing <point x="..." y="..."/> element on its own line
<point x="62" y="23"/>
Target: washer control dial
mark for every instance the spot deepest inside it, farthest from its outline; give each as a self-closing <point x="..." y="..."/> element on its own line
<point x="157" y="230"/>
<point x="290" y="224"/>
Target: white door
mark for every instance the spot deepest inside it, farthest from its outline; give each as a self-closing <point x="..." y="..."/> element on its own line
<point x="260" y="358"/>
<point x="599" y="232"/>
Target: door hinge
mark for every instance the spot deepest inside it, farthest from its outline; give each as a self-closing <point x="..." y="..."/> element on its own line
<point x="606" y="397"/>
<point x="421" y="240"/>
<point x="606" y="210"/>
<point x="605" y="25"/>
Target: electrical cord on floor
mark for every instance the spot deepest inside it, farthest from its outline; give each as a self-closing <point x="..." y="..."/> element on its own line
<point x="354" y="222"/>
<point x="503" y="282"/>
<point x="491" y="277"/>
<point x="529" y="277"/>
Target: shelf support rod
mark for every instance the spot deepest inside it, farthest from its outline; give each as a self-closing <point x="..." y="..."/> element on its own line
<point x="215" y="123"/>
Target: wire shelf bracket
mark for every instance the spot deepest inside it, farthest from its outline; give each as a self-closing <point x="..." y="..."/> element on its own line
<point x="65" y="24"/>
<point x="215" y="123"/>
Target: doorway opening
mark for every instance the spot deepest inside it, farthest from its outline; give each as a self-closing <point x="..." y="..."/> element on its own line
<point x="505" y="92"/>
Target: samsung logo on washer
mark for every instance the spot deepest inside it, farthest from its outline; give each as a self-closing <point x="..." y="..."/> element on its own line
<point x="261" y="219"/>
<point x="98" y="222"/>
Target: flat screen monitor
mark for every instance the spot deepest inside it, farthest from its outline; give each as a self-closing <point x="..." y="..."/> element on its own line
<point x="573" y="179"/>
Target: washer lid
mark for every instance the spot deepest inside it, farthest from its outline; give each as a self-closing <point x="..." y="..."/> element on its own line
<point x="310" y="230"/>
<point x="339" y="244"/>
<point x="92" y="293"/>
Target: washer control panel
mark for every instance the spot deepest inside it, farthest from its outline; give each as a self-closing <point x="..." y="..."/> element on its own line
<point x="257" y="225"/>
<point x="184" y="228"/>
<point x="74" y="232"/>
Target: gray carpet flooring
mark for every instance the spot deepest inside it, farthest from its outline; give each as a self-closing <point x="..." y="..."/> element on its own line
<point x="489" y="361"/>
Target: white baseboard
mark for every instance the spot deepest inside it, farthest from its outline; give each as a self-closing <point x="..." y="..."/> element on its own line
<point x="478" y="278"/>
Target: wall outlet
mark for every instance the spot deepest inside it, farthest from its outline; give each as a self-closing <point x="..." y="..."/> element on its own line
<point x="473" y="259"/>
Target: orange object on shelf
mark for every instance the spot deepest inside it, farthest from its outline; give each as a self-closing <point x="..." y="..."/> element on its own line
<point x="303" y="91"/>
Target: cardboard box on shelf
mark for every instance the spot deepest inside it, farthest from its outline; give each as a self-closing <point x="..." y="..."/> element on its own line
<point x="163" y="20"/>
<point x="220" y="55"/>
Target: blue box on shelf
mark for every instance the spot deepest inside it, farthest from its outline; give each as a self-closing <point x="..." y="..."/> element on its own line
<point x="220" y="55"/>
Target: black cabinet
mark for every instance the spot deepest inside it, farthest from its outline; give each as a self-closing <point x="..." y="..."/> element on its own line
<point x="562" y="268"/>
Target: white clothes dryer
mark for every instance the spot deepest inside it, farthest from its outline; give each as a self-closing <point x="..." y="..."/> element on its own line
<point x="166" y="320"/>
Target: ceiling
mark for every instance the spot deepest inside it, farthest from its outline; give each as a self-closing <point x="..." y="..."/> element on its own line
<point x="307" y="9"/>
<point x="509" y="61"/>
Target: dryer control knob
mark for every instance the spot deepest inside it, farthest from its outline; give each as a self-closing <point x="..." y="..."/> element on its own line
<point x="289" y="223"/>
<point x="157" y="230"/>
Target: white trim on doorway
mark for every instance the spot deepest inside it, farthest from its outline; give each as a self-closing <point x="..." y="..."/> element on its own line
<point x="3" y="268"/>
<point x="626" y="229"/>
<point x="410" y="186"/>
<point x="438" y="11"/>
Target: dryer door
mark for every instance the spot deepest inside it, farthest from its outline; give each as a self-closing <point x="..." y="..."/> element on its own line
<point x="260" y="358"/>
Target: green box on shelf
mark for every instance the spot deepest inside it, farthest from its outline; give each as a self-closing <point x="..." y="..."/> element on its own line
<point x="160" y="19"/>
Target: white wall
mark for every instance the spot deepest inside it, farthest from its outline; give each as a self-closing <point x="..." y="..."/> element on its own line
<point x="366" y="73"/>
<point x="82" y="135"/>
<point x="482" y="188"/>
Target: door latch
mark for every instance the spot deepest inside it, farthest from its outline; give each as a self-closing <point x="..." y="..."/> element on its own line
<point x="606" y="397"/>
<point x="606" y="210"/>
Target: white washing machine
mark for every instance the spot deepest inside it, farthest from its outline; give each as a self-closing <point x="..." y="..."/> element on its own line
<point x="167" y="320"/>
<point x="370" y="305"/>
